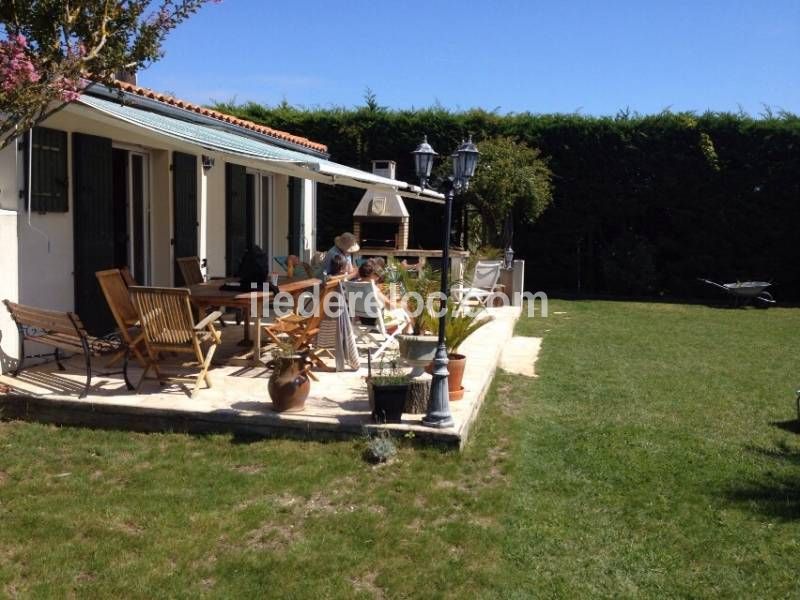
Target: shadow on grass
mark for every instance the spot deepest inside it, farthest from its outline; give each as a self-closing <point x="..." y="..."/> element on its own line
<point x="775" y="494"/>
<point x="792" y="425"/>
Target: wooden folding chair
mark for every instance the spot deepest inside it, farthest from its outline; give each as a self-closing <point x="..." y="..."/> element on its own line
<point x="192" y="275"/>
<point x="112" y="282"/>
<point x="168" y="324"/>
<point x="301" y="331"/>
<point x="190" y="270"/>
<point x="127" y="277"/>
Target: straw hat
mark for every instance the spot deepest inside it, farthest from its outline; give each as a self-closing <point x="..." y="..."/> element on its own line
<point x="347" y="243"/>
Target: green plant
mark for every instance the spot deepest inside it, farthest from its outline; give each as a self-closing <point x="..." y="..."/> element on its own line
<point x="417" y="286"/>
<point x="283" y="350"/>
<point x="381" y="447"/>
<point x="389" y="373"/>
<point x="460" y="325"/>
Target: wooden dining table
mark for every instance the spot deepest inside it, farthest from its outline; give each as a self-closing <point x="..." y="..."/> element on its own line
<point x="251" y="302"/>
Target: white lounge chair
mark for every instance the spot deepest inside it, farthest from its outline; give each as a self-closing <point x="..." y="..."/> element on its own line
<point x="363" y="302"/>
<point x="482" y="286"/>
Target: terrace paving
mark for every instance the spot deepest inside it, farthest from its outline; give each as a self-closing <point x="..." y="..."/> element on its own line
<point x="238" y="402"/>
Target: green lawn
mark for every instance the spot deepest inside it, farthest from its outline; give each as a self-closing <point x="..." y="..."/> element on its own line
<point x="656" y="455"/>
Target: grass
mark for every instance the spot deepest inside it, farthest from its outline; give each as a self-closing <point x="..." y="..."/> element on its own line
<point x="656" y="455"/>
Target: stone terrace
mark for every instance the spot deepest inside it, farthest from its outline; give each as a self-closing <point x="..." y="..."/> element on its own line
<point x="239" y="402"/>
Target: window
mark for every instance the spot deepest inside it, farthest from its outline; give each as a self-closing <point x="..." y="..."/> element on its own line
<point x="49" y="171"/>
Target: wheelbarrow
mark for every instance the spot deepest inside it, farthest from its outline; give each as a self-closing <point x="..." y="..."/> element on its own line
<point x="745" y="292"/>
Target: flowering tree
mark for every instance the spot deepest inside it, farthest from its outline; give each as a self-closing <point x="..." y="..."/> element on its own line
<point x="51" y="49"/>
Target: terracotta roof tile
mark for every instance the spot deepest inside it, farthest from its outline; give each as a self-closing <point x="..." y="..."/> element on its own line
<point x="263" y="129"/>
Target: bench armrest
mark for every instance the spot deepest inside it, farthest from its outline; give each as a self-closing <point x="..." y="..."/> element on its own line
<point x="208" y="320"/>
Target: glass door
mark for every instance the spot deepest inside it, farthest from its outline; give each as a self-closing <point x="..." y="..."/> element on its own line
<point x="139" y="217"/>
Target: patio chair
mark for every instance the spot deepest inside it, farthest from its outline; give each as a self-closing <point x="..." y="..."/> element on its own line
<point x="168" y="324"/>
<point x="362" y="299"/>
<point x="192" y="275"/>
<point x="127" y="277"/>
<point x="190" y="270"/>
<point x="115" y="290"/>
<point x="482" y="286"/>
<point x="301" y="331"/>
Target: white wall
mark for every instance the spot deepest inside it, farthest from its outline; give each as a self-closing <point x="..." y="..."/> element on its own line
<point x="9" y="289"/>
<point x="309" y="218"/>
<point x="215" y="209"/>
<point x="36" y="260"/>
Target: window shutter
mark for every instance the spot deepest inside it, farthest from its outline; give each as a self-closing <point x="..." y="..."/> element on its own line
<point x="49" y="171"/>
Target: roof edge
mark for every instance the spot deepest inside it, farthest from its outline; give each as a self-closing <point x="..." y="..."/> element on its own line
<point x="163" y="102"/>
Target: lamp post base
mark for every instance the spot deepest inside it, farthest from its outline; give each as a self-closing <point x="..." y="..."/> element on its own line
<point x="438" y="415"/>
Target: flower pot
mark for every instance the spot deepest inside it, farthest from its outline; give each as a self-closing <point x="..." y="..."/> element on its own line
<point x="388" y="402"/>
<point x="455" y="369"/>
<point x="455" y="375"/>
<point x="417" y="351"/>
<point x="289" y="384"/>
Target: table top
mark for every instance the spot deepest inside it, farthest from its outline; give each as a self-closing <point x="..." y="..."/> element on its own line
<point x="209" y="292"/>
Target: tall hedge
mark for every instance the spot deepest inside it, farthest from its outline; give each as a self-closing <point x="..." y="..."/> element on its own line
<point x="643" y="205"/>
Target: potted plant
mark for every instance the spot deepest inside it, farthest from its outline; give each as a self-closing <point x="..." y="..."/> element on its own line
<point x="418" y="347"/>
<point x="460" y="325"/>
<point x="289" y="382"/>
<point x="387" y="391"/>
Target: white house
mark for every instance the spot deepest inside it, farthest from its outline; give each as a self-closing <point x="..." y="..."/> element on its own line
<point x="130" y="177"/>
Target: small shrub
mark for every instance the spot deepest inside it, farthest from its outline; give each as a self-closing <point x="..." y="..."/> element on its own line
<point x="381" y="447"/>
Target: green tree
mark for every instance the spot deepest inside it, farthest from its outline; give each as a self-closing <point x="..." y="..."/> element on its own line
<point x="52" y="49"/>
<point x="512" y="183"/>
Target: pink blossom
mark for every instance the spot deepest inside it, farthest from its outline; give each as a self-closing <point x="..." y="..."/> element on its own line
<point x="16" y="67"/>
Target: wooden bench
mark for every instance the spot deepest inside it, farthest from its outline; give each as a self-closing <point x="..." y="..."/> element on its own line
<point x="62" y="331"/>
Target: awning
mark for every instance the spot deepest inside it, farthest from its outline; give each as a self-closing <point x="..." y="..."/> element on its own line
<point x="295" y="163"/>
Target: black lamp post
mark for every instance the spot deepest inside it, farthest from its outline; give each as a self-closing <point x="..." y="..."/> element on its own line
<point x="465" y="159"/>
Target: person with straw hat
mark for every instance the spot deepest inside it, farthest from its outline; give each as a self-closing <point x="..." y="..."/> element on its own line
<point x="344" y="245"/>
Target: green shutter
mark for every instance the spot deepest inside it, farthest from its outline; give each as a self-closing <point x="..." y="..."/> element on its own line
<point x="236" y="215"/>
<point x="295" y="237"/>
<point x="184" y="188"/>
<point x="49" y="171"/>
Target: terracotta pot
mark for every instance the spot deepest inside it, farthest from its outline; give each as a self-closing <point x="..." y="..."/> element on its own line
<point x="455" y="369"/>
<point x="289" y="384"/>
<point x="455" y="375"/>
<point x="388" y="402"/>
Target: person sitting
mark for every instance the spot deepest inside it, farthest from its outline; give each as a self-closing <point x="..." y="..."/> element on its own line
<point x="338" y="266"/>
<point x="393" y="312"/>
<point x="344" y="245"/>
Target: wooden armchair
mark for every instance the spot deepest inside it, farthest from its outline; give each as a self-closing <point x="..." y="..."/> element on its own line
<point x="168" y="324"/>
<point x="115" y="289"/>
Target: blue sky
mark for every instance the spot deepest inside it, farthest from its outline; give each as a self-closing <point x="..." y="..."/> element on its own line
<point x="595" y="57"/>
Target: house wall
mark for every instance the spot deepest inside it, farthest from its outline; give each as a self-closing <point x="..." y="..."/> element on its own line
<point x="9" y="289"/>
<point x="309" y="218"/>
<point x="36" y="260"/>
<point x="161" y="261"/>
<point x="215" y="210"/>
